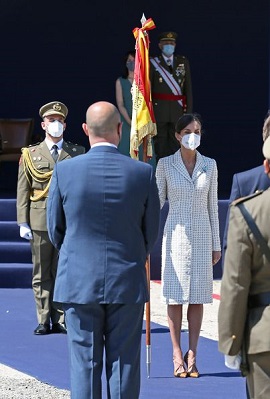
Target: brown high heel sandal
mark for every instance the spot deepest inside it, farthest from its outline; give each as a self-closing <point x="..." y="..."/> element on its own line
<point x="192" y="370"/>
<point x="180" y="371"/>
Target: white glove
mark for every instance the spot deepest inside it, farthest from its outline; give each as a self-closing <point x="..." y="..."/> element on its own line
<point x="233" y="362"/>
<point x="25" y="231"/>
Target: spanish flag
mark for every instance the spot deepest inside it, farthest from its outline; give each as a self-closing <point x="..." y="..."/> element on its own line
<point x="143" y="124"/>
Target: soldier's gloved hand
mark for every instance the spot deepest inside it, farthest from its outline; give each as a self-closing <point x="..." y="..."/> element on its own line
<point x="25" y="231"/>
<point x="233" y="362"/>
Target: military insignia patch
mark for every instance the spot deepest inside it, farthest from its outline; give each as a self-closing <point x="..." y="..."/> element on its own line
<point x="180" y="70"/>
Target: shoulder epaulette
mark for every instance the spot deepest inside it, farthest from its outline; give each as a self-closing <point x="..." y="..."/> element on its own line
<point x="69" y="142"/>
<point x="248" y="197"/>
<point x="29" y="146"/>
<point x="34" y="144"/>
<point x="179" y="56"/>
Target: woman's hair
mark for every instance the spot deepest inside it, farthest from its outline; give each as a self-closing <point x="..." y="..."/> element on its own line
<point x="266" y="127"/>
<point x="185" y="120"/>
<point x="125" y="72"/>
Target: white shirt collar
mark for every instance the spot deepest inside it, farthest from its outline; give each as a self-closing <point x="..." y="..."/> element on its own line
<point x="168" y="58"/>
<point x="50" y="144"/>
<point x="104" y="143"/>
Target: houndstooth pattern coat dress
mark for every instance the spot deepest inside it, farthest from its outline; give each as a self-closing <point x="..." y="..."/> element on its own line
<point x="191" y="231"/>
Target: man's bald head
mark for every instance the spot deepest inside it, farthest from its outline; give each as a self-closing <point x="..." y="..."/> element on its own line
<point x="103" y="123"/>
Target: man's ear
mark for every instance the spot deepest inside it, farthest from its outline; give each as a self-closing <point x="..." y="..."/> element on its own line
<point x="266" y="166"/>
<point x="120" y="126"/>
<point x="119" y="131"/>
<point x="85" y="129"/>
<point x="43" y="125"/>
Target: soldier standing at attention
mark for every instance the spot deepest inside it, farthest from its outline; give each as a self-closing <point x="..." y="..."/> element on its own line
<point x="35" y="171"/>
<point x="244" y="311"/>
<point x="171" y="93"/>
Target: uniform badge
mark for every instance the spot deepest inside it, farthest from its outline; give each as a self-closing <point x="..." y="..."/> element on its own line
<point x="57" y="107"/>
<point x="180" y="71"/>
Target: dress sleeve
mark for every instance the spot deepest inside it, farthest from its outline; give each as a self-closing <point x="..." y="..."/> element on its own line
<point x="213" y="208"/>
<point x="161" y="182"/>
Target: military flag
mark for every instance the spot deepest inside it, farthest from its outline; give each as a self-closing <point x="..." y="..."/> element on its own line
<point x="143" y="125"/>
<point x="143" y="128"/>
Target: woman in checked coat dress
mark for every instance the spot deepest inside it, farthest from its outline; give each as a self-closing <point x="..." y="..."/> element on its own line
<point x="191" y="243"/>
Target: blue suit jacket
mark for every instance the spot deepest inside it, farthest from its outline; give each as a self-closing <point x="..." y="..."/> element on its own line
<point x="103" y="215"/>
<point x="244" y="184"/>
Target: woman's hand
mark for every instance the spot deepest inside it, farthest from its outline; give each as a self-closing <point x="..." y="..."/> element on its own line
<point x="216" y="255"/>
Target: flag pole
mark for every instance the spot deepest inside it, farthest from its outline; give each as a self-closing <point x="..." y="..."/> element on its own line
<point x="147" y="305"/>
<point x="143" y="127"/>
<point x="147" y="321"/>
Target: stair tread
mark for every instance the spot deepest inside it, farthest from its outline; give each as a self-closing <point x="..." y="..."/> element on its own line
<point x="8" y="209"/>
<point x="18" y="272"/>
<point x="17" y="243"/>
<point x="15" y="264"/>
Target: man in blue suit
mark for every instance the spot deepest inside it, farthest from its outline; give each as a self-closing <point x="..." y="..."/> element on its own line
<point x="103" y="216"/>
<point x="248" y="182"/>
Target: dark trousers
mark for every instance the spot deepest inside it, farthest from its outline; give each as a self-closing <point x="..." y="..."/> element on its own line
<point x="165" y="142"/>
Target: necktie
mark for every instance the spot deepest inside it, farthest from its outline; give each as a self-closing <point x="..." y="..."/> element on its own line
<point x="169" y="63"/>
<point x="55" y="152"/>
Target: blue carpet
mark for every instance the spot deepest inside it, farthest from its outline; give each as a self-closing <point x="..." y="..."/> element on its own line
<point x="46" y="357"/>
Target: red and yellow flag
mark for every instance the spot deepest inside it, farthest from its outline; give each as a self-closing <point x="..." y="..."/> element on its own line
<point x="143" y="124"/>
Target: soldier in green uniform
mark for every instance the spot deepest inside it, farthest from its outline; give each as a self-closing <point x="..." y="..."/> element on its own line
<point x="171" y="93"/>
<point x="244" y="312"/>
<point x="34" y="176"/>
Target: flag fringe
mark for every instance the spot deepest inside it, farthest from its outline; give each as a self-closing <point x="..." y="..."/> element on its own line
<point x="149" y="131"/>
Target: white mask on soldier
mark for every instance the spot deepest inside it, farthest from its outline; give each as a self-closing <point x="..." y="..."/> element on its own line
<point x="55" y="129"/>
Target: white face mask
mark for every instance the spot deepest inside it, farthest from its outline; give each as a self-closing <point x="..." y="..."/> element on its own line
<point x="191" y="141"/>
<point x="55" y="129"/>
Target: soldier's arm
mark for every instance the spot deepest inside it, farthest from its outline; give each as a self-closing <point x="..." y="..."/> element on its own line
<point x="188" y="87"/>
<point x="23" y="194"/>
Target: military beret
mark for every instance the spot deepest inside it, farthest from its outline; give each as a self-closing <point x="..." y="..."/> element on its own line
<point x="53" y="108"/>
<point x="168" y="36"/>
<point x="266" y="148"/>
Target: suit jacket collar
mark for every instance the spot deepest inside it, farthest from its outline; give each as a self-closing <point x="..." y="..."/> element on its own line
<point x="200" y="166"/>
<point x="103" y="148"/>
